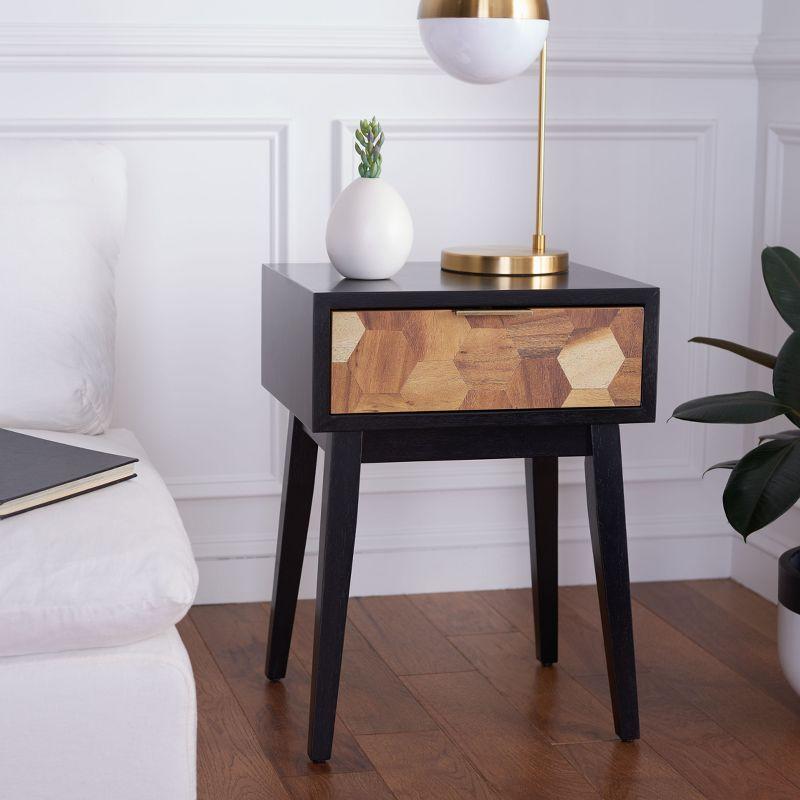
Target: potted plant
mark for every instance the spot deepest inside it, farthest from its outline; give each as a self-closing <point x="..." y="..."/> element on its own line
<point x="765" y="483"/>
<point x="370" y="231"/>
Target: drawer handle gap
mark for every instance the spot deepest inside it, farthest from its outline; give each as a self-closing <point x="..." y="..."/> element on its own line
<point x="493" y="312"/>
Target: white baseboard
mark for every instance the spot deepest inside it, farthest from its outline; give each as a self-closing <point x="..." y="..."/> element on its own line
<point x="428" y="561"/>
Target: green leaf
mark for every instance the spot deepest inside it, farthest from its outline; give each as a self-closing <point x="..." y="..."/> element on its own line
<point x="781" y="268"/>
<point x="737" y="408"/>
<point x="764" y="485"/>
<point x="362" y="170"/>
<point x="777" y="437"/>
<point x="360" y="137"/>
<point x="765" y="359"/>
<point x="721" y="465"/>
<point x="364" y="126"/>
<point x="786" y="377"/>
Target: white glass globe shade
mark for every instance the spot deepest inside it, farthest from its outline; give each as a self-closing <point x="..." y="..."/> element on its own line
<point x="483" y="50"/>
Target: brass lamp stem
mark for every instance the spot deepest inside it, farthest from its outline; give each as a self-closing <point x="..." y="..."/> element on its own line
<point x="539" y="238"/>
<point x="523" y="261"/>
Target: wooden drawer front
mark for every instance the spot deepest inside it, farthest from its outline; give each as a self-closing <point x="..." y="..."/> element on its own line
<point x="387" y="362"/>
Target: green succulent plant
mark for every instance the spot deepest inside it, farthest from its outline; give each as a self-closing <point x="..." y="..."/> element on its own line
<point x="369" y="140"/>
<point x="765" y="483"/>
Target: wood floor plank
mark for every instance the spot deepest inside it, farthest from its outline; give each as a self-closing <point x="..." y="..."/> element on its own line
<point x="697" y="747"/>
<point x="403" y="637"/>
<point x="580" y="642"/>
<point x="278" y="712"/>
<point x="350" y="786"/>
<point x="629" y="771"/>
<point x="516" y="605"/>
<point x="735" y="643"/>
<point x="492" y="723"/>
<point x="585" y="634"/>
<point x="303" y="635"/>
<point x="516" y="760"/>
<point x="742" y="604"/>
<point x="439" y="772"/>
<point x="459" y="613"/>
<point x="230" y="761"/>
<point x="372" y="699"/>
<point x="549" y="697"/>
<point x="757" y="720"/>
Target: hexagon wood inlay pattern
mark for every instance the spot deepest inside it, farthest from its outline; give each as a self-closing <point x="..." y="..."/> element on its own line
<point x="387" y="362"/>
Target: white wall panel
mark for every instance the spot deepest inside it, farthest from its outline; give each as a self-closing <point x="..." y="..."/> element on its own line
<point x="235" y="120"/>
<point x="188" y="285"/>
<point x="659" y="176"/>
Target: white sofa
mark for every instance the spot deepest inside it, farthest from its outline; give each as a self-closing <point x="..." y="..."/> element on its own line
<point x="97" y="698"/>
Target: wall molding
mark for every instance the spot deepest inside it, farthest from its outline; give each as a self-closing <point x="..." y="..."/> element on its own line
<point x="778" y="57"/>
<point x="755" y="562"/>
<point x="276" y="133"/>
<point x="419" y="477"/>
<point x="466" y="476"/>
<point x="702" y="132"/>
<point x="260" y="48"/>
<point x="779" y="136"/>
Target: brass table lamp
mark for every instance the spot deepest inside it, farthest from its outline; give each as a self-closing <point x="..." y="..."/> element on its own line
<point x="489" y="41"/>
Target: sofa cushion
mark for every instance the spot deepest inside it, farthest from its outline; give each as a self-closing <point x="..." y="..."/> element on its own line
<point x="106" y="568"/>
<point x="62" y="214"/>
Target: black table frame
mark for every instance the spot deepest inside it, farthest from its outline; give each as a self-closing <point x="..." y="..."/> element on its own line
<point x="297" y="305"/>
<point x="541" y="447"/>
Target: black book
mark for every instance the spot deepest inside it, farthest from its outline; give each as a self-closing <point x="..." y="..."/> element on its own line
<point x="36" y="472"/>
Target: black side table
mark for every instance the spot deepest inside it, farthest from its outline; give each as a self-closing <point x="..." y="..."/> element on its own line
<point x="437" y="366"/>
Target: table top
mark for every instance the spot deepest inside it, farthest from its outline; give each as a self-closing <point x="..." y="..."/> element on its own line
<point x="428" y="277"/>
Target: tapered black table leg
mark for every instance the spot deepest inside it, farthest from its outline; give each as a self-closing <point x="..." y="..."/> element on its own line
<point x="336" y="545"/>
<point x="298" y="489"/>
<point x="541" y="482"/>
<point x="606" y="501"/>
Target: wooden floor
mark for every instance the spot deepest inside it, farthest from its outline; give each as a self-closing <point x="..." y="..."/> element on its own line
<point x="442" y="698"/>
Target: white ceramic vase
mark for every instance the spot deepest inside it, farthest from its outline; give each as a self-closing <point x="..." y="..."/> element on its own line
<point x="370" y="231"/>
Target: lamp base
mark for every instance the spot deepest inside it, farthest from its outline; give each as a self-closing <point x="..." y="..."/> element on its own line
<point x="507" y="261"/>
